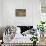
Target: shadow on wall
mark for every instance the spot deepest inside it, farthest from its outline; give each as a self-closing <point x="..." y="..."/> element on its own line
<point x="1" y="33"/>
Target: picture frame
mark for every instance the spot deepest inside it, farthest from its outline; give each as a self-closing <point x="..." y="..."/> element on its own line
<point x="20" y="12"/>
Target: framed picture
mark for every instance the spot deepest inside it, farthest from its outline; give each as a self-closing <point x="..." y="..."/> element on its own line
<point x="20" y="12"/>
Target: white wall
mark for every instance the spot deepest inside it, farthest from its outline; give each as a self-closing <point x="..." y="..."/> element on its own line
<point x="32" y="12"/>
<point x="36" y="12"/>
<point x="0" y="12"/>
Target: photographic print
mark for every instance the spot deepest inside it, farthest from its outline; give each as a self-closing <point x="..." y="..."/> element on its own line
<point x="20" y="12"/>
